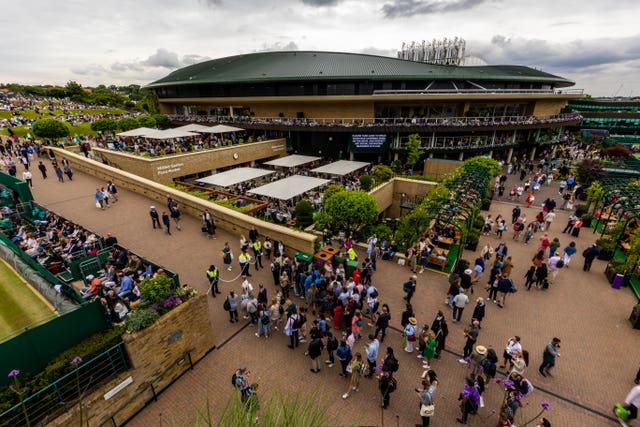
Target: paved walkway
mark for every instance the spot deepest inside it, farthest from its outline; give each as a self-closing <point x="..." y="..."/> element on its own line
<point x="596" y="369"/>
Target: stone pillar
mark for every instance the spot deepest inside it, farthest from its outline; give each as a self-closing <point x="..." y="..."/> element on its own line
<point x="461" y="156"/>
<point x="533" y="153"/>
<point x="351" y="155"/>
<point x="510" y="155"/>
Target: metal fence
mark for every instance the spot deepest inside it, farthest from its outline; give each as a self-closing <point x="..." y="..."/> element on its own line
<point x="63" y="394"/>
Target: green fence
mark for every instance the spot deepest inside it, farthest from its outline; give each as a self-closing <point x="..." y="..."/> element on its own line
<point x="30" y="351"/>
<point x="20" y="188"/>
<point x="63" y="394"/>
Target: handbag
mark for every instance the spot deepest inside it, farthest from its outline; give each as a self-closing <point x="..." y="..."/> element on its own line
<point x="349" y="369"/>
<point x="226" y="305"/>
<point x="427" y="410"/>
<point x="98" y="205"/>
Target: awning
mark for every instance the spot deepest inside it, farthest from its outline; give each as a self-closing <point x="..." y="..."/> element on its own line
<point x="136" y="132"/>
<point x="288" y="188"/>
<point x="223" y="129"/>
<point x="341" y="167"/>
<point x="292" y="161"/>
<point x="169" y="134"/>
<point x="194" y="127"/>
<point x="234" y="176"/>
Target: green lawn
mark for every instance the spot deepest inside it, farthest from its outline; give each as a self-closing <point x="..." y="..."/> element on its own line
<point x="81" y="129"/>
<point x="19" y="305"/>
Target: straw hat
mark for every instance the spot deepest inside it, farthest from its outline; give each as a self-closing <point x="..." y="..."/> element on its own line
<point x="468" y="271"/>
<point x="413" y="320"/>
<point x="481" y="350"/>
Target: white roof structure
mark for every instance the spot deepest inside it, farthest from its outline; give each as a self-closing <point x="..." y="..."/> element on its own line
<point x="292" y="161"/>
<point x="234" y="176"/>
<point x="194" y="127"/>
<point x="136" y="132"/>
<point x="223" y="129"/>
<point x="168" y="134"/>
<point x="290" y="187"/>
<point x="341" y="167"/>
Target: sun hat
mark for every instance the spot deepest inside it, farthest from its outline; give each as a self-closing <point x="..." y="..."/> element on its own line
<point x="481" y="350"/>
<point x="468" y="271"/>
<point x="90" y="277"/>
<point x="413" y="320"/>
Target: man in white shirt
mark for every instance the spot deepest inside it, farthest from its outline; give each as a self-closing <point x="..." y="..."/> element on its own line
<point x="548" y="219"/>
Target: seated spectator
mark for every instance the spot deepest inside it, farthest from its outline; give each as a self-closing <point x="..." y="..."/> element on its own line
<point x="93" y="289"/>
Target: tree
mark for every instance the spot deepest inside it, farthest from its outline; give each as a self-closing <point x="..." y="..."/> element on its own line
<point x="490" y="166"/>
<point x="382" y="173"/>
<point x="162" y="121"/>
<point x="73" y="88"/>
<point x="413" y="150"/>
<point x="365" y="182"/>
<point x="127" y="123"/>
<point x="146" y="121"/>
<point x="104" y="125"/>
<point x="330" y="191"/>
<point x="618" y="151"/>
<point x="351" y="210"/>
<point x="51" y="128"/>
<point x="304" y="214"/>
<point x="589" y="171"/>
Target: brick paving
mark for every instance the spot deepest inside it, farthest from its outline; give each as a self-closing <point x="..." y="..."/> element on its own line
<point x="596" y="368"/>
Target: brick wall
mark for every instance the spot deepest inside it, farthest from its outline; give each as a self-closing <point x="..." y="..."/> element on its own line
<point x="154" y="355"/>
<point x="165" y="169"/>
<point x="438" y="168"/>
<point x="389" y="194"/>
<point x="548" y="107"/>
<point x="227" y="219"/>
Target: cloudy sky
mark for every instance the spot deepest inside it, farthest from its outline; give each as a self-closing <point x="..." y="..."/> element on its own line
<point x="594" y="43"/>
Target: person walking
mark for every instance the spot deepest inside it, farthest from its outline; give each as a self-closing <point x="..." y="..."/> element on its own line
<point x="155" y="217"/>
<point x="409" y="288"/>
<point x="257" y="252"/>
<point x="372" y="349"/>
<point x="589" y="255"/>
<point x="213" y="275"/>
<point x="410" y="332"/>
<point x="429" y="350"/>
<point x="479" y="311"/>
<point x="227" y="255"/>
<point x="43" y="170"/>
<point x="243" y="259"/>
<point x="459" y="302"/>
<point x="569" y="251"/>
<point x="28" y="177"/>
<point x="471" y="334"/>
<point x="233" y="301"/>
<point x="427" y="399"/>
<point x="208" y="225"/>
<point x="167" y="222"/>
<point x="631" y="404"/>
<point x="504" y="287"/>
<point x="355" y="367"/>
<point x="99" y="197"/>
<point x="549" y="356"/>
<point x="440" y="328"/>
<point x="292" y="328"/>
<point x="382" y="322"/>
<point x="469" y="400"/>
<point x="344" y="356"/>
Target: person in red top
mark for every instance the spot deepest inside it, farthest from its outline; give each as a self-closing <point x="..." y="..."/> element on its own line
<point x="356" y="276"/>
<point x="530" y="198"/>
<point x="338" y="312"/>
<point x="544" y="242"/>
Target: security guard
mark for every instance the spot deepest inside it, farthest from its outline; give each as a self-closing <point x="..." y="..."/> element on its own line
<point x="257" y="252"/>
<point x="213" y="276"/>
<point x="244" y="259"/>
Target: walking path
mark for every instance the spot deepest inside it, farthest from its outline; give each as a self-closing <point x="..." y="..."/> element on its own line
<point x="596" y="369"/>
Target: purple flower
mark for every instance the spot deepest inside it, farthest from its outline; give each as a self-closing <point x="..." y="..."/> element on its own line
<point x="397" y="415"/>
<point x="14" y="373"/>
<point x="379" y="367"/>
<point x="508" y="383"/>
<point x="77" y="360"/>
<point x="467" y="359"/>
<point x="153" y="306"/>
<point x="519" y="396"/>
<point x="546" y="405"/>
<point x="497" y="381"/>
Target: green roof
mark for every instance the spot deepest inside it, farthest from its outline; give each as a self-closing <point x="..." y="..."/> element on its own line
<point x="309" y="65"/>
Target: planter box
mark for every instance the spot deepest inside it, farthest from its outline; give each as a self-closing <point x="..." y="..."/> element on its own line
<point x="605" y="255"/>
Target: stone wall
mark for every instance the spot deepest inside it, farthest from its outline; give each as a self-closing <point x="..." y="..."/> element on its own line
<point x="389" y="194"/>
<point x="227" y="219"/>
<point x="164" y="169"/>
<point x="438" y="168"/>
<point x="548" y="107"/>
<point x="157" y="356"/>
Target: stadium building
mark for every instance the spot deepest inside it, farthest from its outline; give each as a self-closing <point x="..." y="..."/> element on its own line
<point x="347" y="105"/>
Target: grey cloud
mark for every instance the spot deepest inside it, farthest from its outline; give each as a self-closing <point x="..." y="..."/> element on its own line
<point x="567" y="55"/>
<point x="403" y="8"/>
<point x="278" y="46"/>
<point x="125" y="66"/>
<point x="372" y="50"/>
<point x="193" y="59"/>
<point x="89" y="70"/>
<point x="320" y="3"/>
<point x="211" y="3"/>
<point x="162" y="58"/>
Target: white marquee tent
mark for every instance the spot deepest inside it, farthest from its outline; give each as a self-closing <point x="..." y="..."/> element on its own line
<point x="341" y="167"/>
<point x="168" y="134"/>
<point x="290" y="187"/>
<point x="234" y="176"/>
<point x="194" y="127"/>
<point x="292" y="161"/>
<point x="136" y="132"/>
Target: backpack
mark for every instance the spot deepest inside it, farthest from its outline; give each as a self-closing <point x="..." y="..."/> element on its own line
<point x="332" y="344"/>
<point x="359" y="323"/>
<point x="234" y="380"/>
<point x="560" y="264"/>
<point x="297" y="323"/>
<point x="280" y="309"/>
<point x="407" y="286"/>
<point x="394" y="364"/>
<point x="514" y="288"/>
<point x="393" y="385"/>
<point x="489" y="367"/>
<point x="265" y="318"/>
<point x="226" y="305"/>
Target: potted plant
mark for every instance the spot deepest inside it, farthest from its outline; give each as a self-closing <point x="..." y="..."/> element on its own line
<point x="472" y="239"/>
<point x="586" y="219"/>
<point x="613" y="268"/>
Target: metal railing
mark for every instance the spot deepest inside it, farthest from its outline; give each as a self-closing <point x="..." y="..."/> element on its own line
<point x="477" y="91"/>
<point x="61" y="395"/>
<point x="402" y="122"/>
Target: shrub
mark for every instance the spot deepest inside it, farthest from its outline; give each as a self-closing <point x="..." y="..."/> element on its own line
<point x="304" y="214"/>
<point x="365" y="182"/>
<point x="382" y="173"/>
<point x="146" y="121"/>
<point x="156" y="289"/>
<point x="351" y="210"/>
<point x="322" y="220"/>
<point x="140" y="319"/>
<point x="330" y="191"/>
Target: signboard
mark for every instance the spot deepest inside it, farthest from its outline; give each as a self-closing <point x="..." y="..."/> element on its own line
<point x="369" y="142"/>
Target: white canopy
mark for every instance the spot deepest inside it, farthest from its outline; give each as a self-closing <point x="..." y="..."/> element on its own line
<point x="292" y="161"/>
<point x="136" y="132"/>
<point x="194" y="127"/>
<point x="290" y="187"/>
<point x="341" y="167"/>
<point x="168" y="134"/>
<point x="223" y="129"/>
<point x="234" y="176"/>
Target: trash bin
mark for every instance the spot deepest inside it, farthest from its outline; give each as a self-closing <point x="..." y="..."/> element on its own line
<point x="635" y="317"/>
<point x="617" y="281"/>
<point x="303" y="256"/>
<point x="351" y="267"/>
